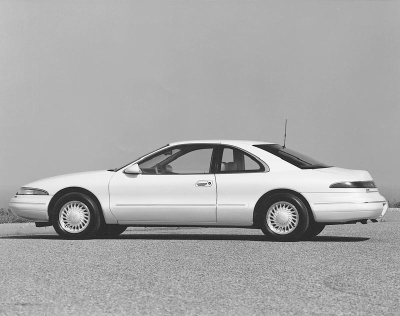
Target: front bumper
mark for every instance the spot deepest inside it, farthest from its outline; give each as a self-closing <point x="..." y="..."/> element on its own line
<point x="346" y="207"/>
<point x="33" y="207"/>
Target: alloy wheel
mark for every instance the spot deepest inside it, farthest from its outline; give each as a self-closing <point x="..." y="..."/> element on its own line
<point x="74" y="217"/>
<point x="282" y="217"/>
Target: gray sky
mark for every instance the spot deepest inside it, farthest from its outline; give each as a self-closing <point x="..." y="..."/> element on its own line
<point x="88" y="85"/>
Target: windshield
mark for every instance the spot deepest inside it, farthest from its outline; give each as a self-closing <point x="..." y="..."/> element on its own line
<point x="297" y="159"/>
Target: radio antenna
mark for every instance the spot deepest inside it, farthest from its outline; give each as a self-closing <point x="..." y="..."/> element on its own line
<point x="284" y="140"/>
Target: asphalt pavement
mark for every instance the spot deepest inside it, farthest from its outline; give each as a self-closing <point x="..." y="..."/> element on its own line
<point x="347" y="270"/>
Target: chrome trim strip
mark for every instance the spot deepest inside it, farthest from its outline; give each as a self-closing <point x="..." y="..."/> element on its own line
<point x="349" y="202"/>
<point x="17" y="202"/>
<point x="167" y="205"/>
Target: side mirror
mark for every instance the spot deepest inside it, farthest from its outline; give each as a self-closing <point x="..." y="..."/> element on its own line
<point x="133" y="169"/>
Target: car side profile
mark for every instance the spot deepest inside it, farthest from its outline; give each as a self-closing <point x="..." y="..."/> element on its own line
<point x="248" y="184"/>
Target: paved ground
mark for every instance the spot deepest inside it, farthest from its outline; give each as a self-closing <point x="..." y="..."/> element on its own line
<point x="348" y="270"/>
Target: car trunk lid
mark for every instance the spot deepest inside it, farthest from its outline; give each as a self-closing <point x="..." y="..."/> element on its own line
<point x="349" y="174"/>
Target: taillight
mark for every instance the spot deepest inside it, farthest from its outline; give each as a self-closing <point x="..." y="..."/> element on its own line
<point x="354" y="185"/>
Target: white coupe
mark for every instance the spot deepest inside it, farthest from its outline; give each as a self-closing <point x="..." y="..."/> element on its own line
<point x="249" y="184"/>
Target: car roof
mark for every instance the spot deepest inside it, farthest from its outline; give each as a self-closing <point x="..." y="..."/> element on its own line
<point x="225" y="142"/>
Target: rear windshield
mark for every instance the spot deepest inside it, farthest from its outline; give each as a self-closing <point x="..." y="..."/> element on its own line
<point x="299" y="160"/>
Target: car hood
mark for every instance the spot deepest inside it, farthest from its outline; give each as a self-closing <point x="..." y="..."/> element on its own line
<point x="360" y="175"/>
<point x="90" y="180"/>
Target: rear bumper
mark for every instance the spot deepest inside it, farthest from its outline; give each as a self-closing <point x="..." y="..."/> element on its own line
<point x="346" y="207"/>
<point x="33" y="207"/>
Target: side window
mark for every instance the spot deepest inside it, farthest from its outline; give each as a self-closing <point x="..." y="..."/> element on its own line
<point x="188" y="159"/>
<point x="235" y="160"/>
<point x="195" y="161"/>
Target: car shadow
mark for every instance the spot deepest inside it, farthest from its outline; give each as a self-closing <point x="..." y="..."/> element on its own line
<point x="336" y="239"/>
<point x="197" y="237"/>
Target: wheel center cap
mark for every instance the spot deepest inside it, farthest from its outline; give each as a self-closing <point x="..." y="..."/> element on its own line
<point x="282" y="217"/>
<point x="74" y="217"/>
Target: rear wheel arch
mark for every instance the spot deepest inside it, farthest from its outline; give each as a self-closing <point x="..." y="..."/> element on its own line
<point x="65" y="191"/>
<point x="267" y="195"/>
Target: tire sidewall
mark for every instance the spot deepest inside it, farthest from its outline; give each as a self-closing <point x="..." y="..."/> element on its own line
<point x="304" y="218"/>
<point x="94" y="222"/>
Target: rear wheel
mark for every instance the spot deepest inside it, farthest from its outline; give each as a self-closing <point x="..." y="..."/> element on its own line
<point x="284" y="217"/>
<point x="76" y="216"/>
<point x="110" y="230"/>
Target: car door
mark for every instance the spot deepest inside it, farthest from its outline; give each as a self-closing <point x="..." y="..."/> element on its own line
<point x="176" y="186"/>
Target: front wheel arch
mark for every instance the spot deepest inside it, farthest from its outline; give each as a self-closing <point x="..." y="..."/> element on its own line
<point x="258" y="207"/>
<point x="65" y="191"/>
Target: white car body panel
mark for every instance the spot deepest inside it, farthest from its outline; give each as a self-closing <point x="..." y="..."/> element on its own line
<point x="341" y="207"/>
<point x="33" y="207"/>
<point x="229" y="201"/>
<point x="157" y="199"/>
<point x="94" y="181"/>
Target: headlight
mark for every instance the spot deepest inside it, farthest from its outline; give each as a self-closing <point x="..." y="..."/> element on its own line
<point x="354" y="185"/>
<point x="32" y="191"/>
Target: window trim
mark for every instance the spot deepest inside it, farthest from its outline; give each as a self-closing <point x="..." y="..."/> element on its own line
<point x="197" y="145"/>
<point x="217" y="167"/>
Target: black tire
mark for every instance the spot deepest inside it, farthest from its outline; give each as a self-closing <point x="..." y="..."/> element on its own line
<point x="313" y="230"/>
<point x="284" y="217"/>
<point x="76" y="216"/>
<point x="110" y="230"/>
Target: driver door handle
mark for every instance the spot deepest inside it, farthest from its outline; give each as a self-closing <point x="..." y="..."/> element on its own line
<point x="204" y="183"/>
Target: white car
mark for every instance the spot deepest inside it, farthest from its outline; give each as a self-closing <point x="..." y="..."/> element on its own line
<point x="249" y="184"/>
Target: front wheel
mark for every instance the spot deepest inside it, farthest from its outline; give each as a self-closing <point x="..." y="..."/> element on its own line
<point x="284" y="217"/>
<point x="76" y="216"/>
